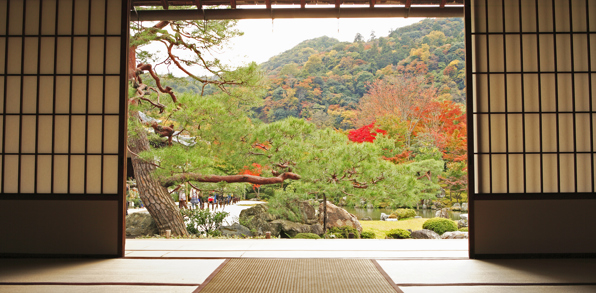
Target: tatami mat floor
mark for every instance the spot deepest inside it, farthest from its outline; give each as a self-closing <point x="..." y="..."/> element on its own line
<point x="431" y="271"/>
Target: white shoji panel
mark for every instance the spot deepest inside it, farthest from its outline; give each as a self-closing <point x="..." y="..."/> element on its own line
<point x="94" y="131"/>
<point x="112" y="95"/>
<point x="511" y="15"/>
<point x="497" y="92"/>
<point x="475" y="144"/>
<point x="482" y="92"/>
<point x="3" y="15"/>
<point x="562" y="16"/>
<point x="30" y="62"/>
<point x="60" y="174"/>
<point x="578" y="9"/>
<point x="61" y="134"/>
<point x="13" y="94"/>
<point x="584" y="173"/>
<point x="530" y="43"/>
<point x="113" y="55"/>
<point x="114" y="17"/>
<point x="2" y="52"/>
<point x="478" y="16"/>
<point x="476" y="169"/>
<point x="528" y="10"/>
<point x="516" y="173"/>
<point x="563" y="43"/>
<point x="29" y="94"/>
<point x="62" y="94"/>
<point x="550" y="173"/>
<point x="582" y="92"/>
<point x="532" y="132"/>
<point x="44" y="174"/>
<point x="580" y="52"/>
<point x="499" y="173"/>
<point x="498" y="133"/>
<point x="11" y="174"/>
<point x="96" y="53"/>
<point x="484" y="173"/>
<point x="63" y="57"/>
<point x="1" y="134"/>
<point x="592" y="15"/>
<point x="78" y="129"/>
<point x="513" y="53"/>
<point x="27" y="174"/>
<point x="65" y="17"/>
<point x="495" y="15"/>
<point x="79" y="55"/>
<point x="45" y="134"/>
<point x="15" y="46"/>
<point x="32" y="17"/>
<point x="483" y="129"/>
<point x="567" y="172"/>
<point x="546" y="44"/>
<point x="46" y="57"/>
<point x="1" y="95"/>
<point x="582" y="129"/>
<point x="95" y="94"/>
<point x="545" y="18"/>
<point x="548" y="93"/>
<point x="77" y="174"/>
<point x="28" y="140"/>
<point x="514" y="92"/>
<point x="593" y="49"/>
<point x="98" y="10"/>
<point x="566" y="142"/>
<point x="481" y="62"/>
<point x="515" y="132"/>
<point x="496" y="60"/>
<point x="94" y="174"/>
<point x="549" y="132"/>
<point x="46" y="94"/>
<point x="565" y="93"/>
<point x="110" y="174"/>
<point x="48" y="17"/>
<point x="111" y="134"/>
<point x="11" y="135"/>
<point x="15" y="18"/>
<point x="81" y="17"/>
<point x="79" y="94"/>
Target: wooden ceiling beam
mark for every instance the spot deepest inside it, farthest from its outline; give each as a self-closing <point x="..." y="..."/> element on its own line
<point x="233" y="4"/>
<point x="372" y="3"/>
<point x="337" y="4"/>
<point x="302" y="3"/>
<point x="199" y="4"/>
<point x="268" y="4"/>
<point x="443" y="3"/>
<point x="408" y="3"/>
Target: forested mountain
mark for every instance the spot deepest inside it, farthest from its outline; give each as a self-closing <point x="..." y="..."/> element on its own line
<point x="323" y="79"/>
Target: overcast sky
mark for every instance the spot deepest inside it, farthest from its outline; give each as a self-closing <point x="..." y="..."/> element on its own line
<point x="264" y="38"/>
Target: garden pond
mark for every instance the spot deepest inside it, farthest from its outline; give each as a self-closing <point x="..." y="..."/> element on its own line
<point x="375" y="214"/>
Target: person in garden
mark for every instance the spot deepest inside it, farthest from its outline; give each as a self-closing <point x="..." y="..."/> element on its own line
<point x="194" y="198"/>
<point x="182" y="198"/>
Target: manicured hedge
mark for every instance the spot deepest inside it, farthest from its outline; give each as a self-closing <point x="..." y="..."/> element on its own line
<point x="440" y="225"/>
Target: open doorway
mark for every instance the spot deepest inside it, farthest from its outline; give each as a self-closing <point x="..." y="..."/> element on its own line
<point x="332" y="93"/>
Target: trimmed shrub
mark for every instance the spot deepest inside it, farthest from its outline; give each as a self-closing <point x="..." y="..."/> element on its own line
<point x="405" y="213"/>
<point x="440" y="225"/>
<point x="463" y="229"/>
<point x="306" y="236"/>
<point x="368" y="235"/>
<point x="399" y="234"/>
<point x="343" y="232"/>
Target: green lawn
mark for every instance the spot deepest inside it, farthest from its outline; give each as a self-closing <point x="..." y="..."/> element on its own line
<point x="380" y="228"/>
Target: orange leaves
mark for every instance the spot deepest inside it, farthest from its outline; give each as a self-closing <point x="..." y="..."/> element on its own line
<point x="365" y="133"/>
<point x="255" y="170"/>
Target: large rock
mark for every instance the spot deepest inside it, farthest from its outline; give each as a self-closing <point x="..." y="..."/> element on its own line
<point x="235" y="230"/>
<point x="464" y="207"/>
<point x="425" y="234"/>
<point x="140" y="224"/>
<point x="442" y="213"/>
<point x="456" y="207"/>
<point x="338" y="217"/>
<point x="455" y="235"/>
<point x="258" y="219"/>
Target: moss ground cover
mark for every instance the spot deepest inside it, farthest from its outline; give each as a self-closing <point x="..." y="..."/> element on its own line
<point x="381" y="228"/>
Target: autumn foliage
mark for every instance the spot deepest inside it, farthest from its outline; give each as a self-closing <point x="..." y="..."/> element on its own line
<point x="255" y="170"/>
<point x="366" y="133"/>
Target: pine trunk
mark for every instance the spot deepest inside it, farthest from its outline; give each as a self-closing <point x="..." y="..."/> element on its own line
<point x="155" y="197"/>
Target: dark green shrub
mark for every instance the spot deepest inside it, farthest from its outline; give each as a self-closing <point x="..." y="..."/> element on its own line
<point x="343" y="232"/>
<point x="307" y="236"/>
<point x="399" y="234"/>
<point x="405" y="213"/>
<point x="368" y="235"/>
<point x="463" y="229"/>
<point x="440" y="225"/>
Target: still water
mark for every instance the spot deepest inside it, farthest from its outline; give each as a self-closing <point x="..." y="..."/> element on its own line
<point x="375" y="214"/>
